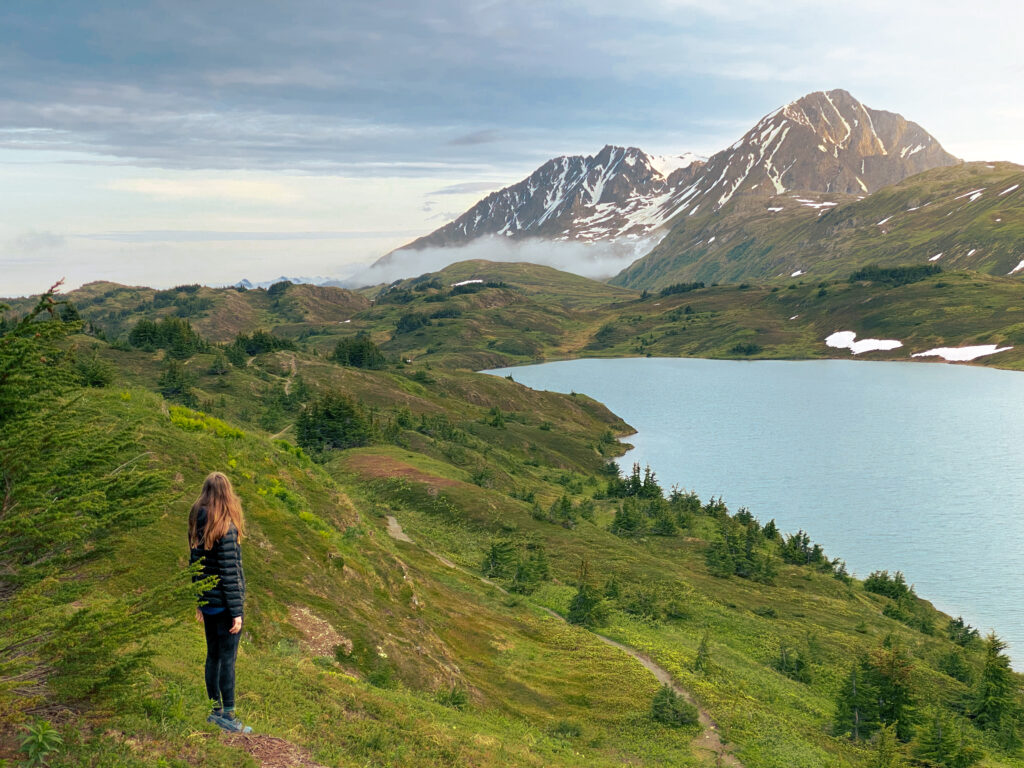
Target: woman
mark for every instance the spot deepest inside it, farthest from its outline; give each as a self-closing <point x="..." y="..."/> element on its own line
<point x="215" y="527"/>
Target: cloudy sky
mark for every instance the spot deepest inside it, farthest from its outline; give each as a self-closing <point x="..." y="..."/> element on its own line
<point x="169" y="142"/>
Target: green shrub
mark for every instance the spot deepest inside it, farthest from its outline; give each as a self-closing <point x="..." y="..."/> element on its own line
<point x="359" y="352"/>
<point x="894" y="276"/>
<point x="680" y="288"/>
<point x="454" y="697"/>
<point x="411" y="322"/>
<point x="565" y="729"/>
<point x="746" y="348"/>
<point x="94" y="371"/>
<point x="39" y="742"/>
<point x="171" y="333"/>
<point x="669" y="708"/>
<point x="332" y="421"/>
<point x="197" y="421"/>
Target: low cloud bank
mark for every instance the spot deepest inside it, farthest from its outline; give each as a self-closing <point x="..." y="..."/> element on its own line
<point x="593" y="260"/>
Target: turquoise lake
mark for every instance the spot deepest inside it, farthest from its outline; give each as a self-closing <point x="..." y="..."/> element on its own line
<point x="917" y="467"/>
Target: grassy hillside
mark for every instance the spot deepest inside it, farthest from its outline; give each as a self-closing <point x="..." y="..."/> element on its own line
<point x="364" y="649"/>
<point x="217" y="313"/>
<point x="972" y="214"/>
<point x="508" y="320"/>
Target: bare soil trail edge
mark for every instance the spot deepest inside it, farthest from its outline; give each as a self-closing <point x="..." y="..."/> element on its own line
<point x="271" y="751"/>
<point x="709" y="740"/>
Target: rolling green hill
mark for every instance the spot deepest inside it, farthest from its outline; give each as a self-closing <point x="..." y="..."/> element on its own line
<point x="971" y="216"/>
<point x="407" y="593"/>
<point x="217" y="313"/>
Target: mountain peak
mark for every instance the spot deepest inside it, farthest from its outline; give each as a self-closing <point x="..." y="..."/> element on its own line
<point x="620" y="191"/>
<point x="823" y="142"/>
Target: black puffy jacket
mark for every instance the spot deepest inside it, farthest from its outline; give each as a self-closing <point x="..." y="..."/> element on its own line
<point x="223" y="561"/>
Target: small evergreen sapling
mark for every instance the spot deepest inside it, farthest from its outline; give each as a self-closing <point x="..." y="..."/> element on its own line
<point x="669" y="708"/>
<point x="702" y="661"/>
<point x="587" y="606"/>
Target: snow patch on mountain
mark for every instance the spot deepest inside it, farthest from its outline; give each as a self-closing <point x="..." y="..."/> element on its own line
<point x="666" y="165"/>
<point x="848" y="340"/>
<point x="823" y="144"/>
<point x="962" y="354"/>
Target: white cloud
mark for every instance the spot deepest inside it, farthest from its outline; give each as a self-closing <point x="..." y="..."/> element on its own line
<point x="35" y="241"/>
<point x="594" y="260"/>
<point x="249" y="190"/>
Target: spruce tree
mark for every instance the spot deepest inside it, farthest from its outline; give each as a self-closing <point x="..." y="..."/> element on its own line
<point x="955" y="665"/>
<point x="891" y="672"/>
<point x="628" y="519"/>
<point x="857" y="703"/>
<point x="587" y="606"/>
<point x="561" y="510"/>
<point x="888" y="753"/>
<point x="993" y="700"/>
<point x="499" y="560"/>
<point x="719" y="559"/>
<point x="332" y="421"/>
<point x="93" y="370"/>
<point x="792" y="664"/>
<point x="943" y="743"/>
<point x="664" y="524"/>
<point x="72" y="480"/>
<point x="32" y="365"/>
<point x="220" y="365"/>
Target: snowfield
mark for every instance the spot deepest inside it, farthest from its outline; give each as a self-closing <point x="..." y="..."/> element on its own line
<point x="847" y="340"/>
<point x="961" y="354"/>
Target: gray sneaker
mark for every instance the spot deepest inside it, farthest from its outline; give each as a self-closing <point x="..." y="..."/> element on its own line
<point x="229" y="723"/>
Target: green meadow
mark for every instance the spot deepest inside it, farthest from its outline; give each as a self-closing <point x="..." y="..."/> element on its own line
<point x="477" y="641"/>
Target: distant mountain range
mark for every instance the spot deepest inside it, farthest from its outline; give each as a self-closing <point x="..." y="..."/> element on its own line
<point x="824" y="142"/>
<point x="619" y="192"/>
<point x="812" y="156"/>
<point x="317" y="280"/>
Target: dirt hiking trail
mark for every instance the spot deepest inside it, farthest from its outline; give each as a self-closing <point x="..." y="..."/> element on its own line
<point x="709" y="741"/>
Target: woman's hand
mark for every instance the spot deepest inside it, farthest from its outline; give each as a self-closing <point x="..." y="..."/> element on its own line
<point x="199" y="616"/>
<point x="236" y="625"/>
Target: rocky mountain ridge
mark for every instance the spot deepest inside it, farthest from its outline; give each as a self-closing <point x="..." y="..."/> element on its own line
<point x="618" y="192"/>
<point x="824" y="142"/>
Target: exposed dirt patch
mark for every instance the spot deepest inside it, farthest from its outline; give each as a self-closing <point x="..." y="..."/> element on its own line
<point x="319" y="637"/>
<point x="272" y="752"/>
<point x="385" y="466"/>
<point x="395" y="530"/>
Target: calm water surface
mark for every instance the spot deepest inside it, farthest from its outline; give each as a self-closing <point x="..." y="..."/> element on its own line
<point x="912" y="467"/>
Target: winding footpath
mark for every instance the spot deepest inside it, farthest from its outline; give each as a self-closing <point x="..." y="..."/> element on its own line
<point x="709" y="741"/>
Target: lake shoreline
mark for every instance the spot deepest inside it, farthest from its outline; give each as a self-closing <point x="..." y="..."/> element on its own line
<point x="890" y="467"/>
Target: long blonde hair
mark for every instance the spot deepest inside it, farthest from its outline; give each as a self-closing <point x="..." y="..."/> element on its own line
<point x="223" y="509"/>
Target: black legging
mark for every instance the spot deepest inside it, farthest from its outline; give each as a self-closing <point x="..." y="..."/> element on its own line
<point x="221" y="649"/>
